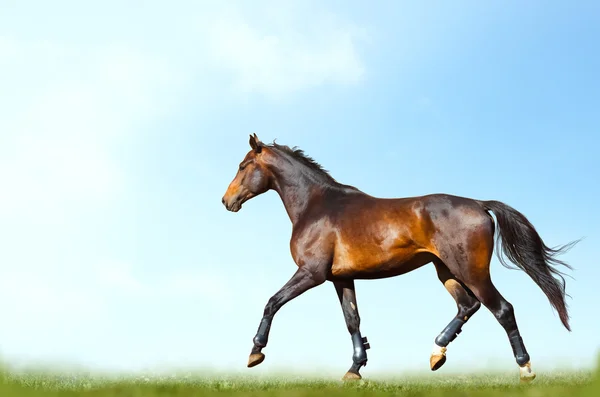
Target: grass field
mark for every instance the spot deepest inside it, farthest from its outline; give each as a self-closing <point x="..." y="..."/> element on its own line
<point x="585" y="384"/>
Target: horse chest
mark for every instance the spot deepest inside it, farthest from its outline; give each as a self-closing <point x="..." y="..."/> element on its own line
<point x="312" y="245"/>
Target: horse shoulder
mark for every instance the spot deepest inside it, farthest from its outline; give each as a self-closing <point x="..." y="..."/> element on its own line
<point x="312" y="242"/>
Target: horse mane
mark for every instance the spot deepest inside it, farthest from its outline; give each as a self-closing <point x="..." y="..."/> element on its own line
<point x="302" y="157"/>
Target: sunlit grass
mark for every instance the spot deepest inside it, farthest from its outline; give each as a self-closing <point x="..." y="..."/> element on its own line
<point x="568" y="384"/>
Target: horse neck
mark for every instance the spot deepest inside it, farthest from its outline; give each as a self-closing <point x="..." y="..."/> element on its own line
<point x="298" y="187"/>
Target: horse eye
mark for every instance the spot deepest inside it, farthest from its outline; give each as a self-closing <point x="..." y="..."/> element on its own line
<point x="242" y="166"/>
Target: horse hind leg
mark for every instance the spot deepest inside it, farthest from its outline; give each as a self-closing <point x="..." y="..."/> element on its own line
<point x="504" y="312"/>
<point x="472" y="267"/>
<point x="467" y="305"/>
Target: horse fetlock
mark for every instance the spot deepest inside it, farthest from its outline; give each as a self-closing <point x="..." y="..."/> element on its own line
<point x="522" y="359"/>
<point x="260" y="341"/>
<point x="518" y="347"/>
<point x="354" y="371"/>
<point x="360" y="358"/>
<point x="361" y="345"/>
<point x="262" y="335"/>
<point x="450" y="333"/>
<point x="452" y="330"/>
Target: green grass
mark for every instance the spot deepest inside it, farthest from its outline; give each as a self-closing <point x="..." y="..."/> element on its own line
<point x="584" y="384"/>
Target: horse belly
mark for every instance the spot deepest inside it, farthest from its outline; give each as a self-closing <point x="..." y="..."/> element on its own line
<point x="377" y="263"/>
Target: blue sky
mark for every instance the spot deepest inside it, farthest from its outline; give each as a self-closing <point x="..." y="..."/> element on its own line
<point x="122" y="126"/>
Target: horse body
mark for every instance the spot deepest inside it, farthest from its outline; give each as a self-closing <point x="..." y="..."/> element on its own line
<point x="376" y="239"/>
<point x="341" y="234"/>
<point x="367" y="237"/>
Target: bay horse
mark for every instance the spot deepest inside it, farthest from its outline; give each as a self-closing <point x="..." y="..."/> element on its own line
<point x="341" y="234"/>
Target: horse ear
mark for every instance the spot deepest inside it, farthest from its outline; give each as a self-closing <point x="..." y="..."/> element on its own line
<point x="255" y="143"/>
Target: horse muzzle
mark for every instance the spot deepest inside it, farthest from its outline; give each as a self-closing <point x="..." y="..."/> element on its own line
<point x="232" y="205"/>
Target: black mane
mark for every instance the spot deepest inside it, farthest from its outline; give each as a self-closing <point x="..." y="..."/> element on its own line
<point x="299" y="155"/>
<point x="303" y="158"/>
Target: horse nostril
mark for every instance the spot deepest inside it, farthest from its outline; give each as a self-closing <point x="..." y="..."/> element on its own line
<point x="223" y="200"/>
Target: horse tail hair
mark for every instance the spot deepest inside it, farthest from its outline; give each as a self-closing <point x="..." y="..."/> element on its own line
<point x="519" y="241"/>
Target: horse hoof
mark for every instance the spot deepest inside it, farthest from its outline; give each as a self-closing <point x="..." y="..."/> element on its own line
<point x="255" y="359"/>
<point x="526" y="374"/>
<point x="436" y="361"/>
<point x="351" y="376"/>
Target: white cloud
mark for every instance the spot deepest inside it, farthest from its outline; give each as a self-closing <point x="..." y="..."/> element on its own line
<point x="69" y="104"/>
<point x="283" y="51"/>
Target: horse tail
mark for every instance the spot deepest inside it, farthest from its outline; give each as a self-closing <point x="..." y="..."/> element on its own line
<point x="520" y="242"/>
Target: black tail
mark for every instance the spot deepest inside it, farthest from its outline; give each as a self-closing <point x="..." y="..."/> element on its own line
<point x="522" y="244"/>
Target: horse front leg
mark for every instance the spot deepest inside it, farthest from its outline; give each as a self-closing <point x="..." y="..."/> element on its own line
<point x="304" y="279"/>
<point x="347" y="296"/>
